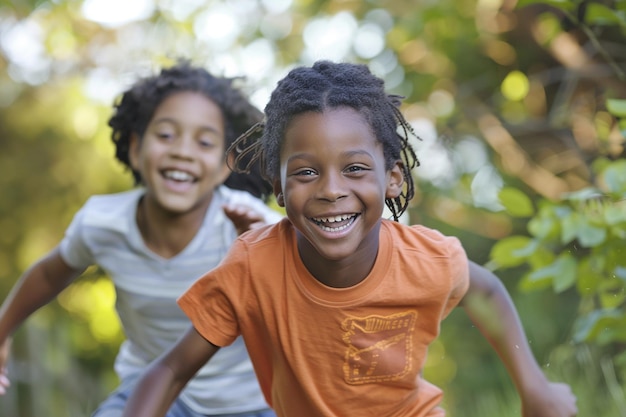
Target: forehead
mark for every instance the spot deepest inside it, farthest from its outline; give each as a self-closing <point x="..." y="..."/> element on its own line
<point x="337" y="127"/>
<point x="191" y="106"/>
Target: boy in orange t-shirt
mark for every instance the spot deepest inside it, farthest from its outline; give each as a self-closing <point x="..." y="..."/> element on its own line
<point x="337" y="306"/>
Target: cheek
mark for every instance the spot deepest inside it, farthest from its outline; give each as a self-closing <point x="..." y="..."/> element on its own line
<point x="214" y="160"/>
<point x="373" y="195"/>
<point x="149" y="151"/>
<point x="143" y="160"/>
<point x="290" y="195"/>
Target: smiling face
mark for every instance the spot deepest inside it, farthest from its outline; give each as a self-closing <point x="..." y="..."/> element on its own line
<point x="181" y="154"/>
<point x="333" y="185"/>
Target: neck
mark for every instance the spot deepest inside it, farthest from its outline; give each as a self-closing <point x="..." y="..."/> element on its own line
<point x="345" y="272"/>
<point x="166" y="233"/>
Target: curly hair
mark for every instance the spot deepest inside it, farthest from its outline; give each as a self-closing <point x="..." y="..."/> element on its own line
<point x="328" y="85"/>
<point x="137" y="105"/>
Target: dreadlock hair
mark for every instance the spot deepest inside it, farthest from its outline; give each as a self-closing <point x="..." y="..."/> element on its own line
<point x="137" y="105"/>
<point x="328" y="85"/>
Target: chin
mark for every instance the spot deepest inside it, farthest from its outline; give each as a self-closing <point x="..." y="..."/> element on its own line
<point x="179" y="208"/>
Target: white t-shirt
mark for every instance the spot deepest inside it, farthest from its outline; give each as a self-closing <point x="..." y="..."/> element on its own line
<point x="104" y="233"/>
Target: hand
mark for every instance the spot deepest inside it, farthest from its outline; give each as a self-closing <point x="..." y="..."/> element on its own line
<point x="4" y="356"/>
<point x="244" y="218"/>
<point x="555" y="400"/>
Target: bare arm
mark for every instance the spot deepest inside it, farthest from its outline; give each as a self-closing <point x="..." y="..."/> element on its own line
<point x="40" y="283"/>
<point x="490" y="308"/>
<point x="164" y="379"/>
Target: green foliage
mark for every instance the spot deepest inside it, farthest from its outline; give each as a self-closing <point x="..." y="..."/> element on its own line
<point x="515" y="202"/>
<point x="528" y="79"/>
<point x="617" y="107"/>
<point x="578" y="243"/>
<point x="595" y="13"/>
<point x="600" y="15"/>
<point x="567" y="5"/>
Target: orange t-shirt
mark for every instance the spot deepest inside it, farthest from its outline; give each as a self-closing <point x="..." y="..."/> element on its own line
<point x="322" y="351"/>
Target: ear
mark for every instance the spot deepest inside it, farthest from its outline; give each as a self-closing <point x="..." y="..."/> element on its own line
<point x="278" y="193"/>
<point x="134" y="146"/>
<point x="395" y="180"/>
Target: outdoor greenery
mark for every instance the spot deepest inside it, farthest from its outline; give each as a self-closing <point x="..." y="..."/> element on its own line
<point x="521" y="111"/>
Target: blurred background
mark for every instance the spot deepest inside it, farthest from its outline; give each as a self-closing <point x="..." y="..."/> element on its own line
<point x="519" y="106"/>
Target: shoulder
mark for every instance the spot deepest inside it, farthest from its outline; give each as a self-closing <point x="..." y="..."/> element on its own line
<point x="111" y="201"/>
<point x="423" y="239"/>
<point x="251" y="252"/>
<point x="268" y="242"/>
<point x="272" y="235"/>
<point x="429" y="249"/>
<point x="106" y="210"/>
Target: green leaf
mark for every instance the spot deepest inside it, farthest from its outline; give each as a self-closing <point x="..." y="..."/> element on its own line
<point x="615" y="177"/>
<point x="612" y="293"/>
<point x="547" y="272"/>
<point x="599" y="14"/>
<point x="575" y="226"/>
<point x="622" y="127"/>
<point x="614" y="214"/>
<point x="527" y="251"/>
<point x="564" y="273"/>
<point x="620" y="359"/>
<point x="588" y="280"/>
<point x="561" y="273"/>
<point x="541" y="257"/>
<point x="616" y="107"/>
<point x="546" y="224"/>
<point x="511" y="251"/>
<point x="589" y="327"/>
<point x="566" y="5"/>
<point x="584" y="194"/>
<point x="619" y="231"/>
<point x="570" y="226"/>
<point x="515" y="202"/>
<point x="600" y="164"/>
<point x="530" y="282"/>
<point x="590" y="236"/>
<point x="620" y="272"/>
<point x="542" y="227"/>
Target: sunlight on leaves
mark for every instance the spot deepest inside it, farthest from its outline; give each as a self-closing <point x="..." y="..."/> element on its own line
<point x="515" y="202"/>
<point x="515" y="86"/>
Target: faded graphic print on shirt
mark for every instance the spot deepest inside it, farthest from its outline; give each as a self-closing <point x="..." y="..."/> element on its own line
<point x="380" y="348"/>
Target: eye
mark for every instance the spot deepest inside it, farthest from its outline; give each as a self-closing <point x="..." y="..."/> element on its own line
<point x="356" y="169"/>
<point x="209" y="139"/>
<point x="306" y="172"/>
<point x="164" y="135"/>
<point x="207" y="143"/>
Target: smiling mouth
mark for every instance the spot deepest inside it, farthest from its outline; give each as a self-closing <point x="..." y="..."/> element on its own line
<point x="179" y="176"/>
<point x="335" y="223"/>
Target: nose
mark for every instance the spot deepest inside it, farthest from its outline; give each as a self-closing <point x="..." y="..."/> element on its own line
<point x="183" y="147"/>
<point x="331" y="187"/>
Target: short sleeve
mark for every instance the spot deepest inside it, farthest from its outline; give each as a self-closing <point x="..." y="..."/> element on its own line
<point x="458" y="272"/>
<point x="212" y="302"/>
<point x="73" y="248"/>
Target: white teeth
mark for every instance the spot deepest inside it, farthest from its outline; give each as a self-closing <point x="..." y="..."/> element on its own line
<point x="334" y="219"/>
<point x="325" y="223"/>
<point x="337" y="229"/>
<point x="178" y="175"/>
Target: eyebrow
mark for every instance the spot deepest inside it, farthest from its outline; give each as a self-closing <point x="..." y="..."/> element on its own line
<point x="357" y="152"/>
<point x="174" y="121"/>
